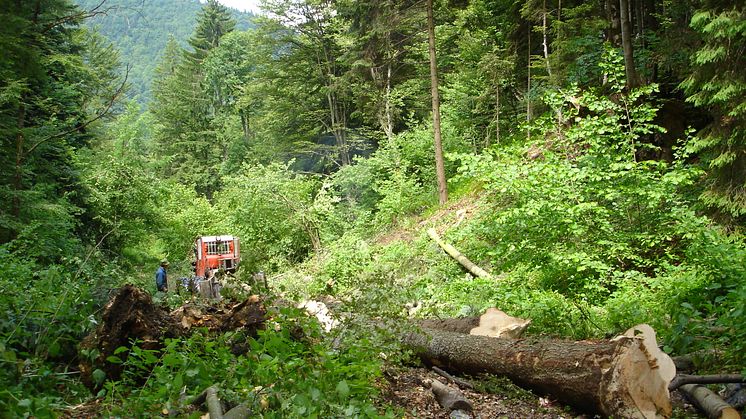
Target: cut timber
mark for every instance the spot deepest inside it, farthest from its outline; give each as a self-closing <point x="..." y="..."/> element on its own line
<point x="614" y="378"/>
<point x="497" y="324"/>
<point x="460" y="258"/>
<point x="708" y="402"/>
<point x="241" y="411"/>
<point x="493" y="323"/>
<point x="450" y="398"/>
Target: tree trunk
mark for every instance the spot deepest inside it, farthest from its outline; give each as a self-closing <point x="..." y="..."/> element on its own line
<point x="614" y="378"/>
<point x="18" y="175"/>
<point x="439" y="162"/>
<point x="629" y="56"/>
<point x="544" y="34"/>
<point x="612" y="14"/>
<point x="497" y="114"/>
<point x="458" y="256"/>
<point x="528" y="87"/>
<point x="709" y="403"/>
<point x="450" y="398"/>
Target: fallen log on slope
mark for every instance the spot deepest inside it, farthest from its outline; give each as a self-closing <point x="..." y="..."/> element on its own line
<point x="458" y="256"/>
<point x="615" y="378"/>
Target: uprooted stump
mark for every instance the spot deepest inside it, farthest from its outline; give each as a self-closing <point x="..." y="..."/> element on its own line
<point x="132" y="315"/>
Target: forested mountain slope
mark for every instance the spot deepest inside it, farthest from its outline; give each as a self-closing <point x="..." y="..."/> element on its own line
<point x="140" y="30"/>
<point x="593" y="164"/>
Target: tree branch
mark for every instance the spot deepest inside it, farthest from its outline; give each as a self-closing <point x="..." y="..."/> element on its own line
<point x="682" y="379"/>
<point x="98" y="116"/>
<point x="83" y="14"/>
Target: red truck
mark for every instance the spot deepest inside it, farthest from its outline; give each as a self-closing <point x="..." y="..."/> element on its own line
<point x="214" y="253"/>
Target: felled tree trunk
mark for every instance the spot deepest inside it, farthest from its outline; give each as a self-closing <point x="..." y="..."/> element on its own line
<point x="450" y="398"/>
<point x="458" y="256"/>
<point x="493" y="323"/>
<point x="614" y="378"/>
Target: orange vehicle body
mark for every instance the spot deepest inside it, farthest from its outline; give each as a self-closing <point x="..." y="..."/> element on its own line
<point x="216" y="253"/>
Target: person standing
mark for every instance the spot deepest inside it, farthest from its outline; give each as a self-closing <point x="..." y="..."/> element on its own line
<point x="161" y="276"/>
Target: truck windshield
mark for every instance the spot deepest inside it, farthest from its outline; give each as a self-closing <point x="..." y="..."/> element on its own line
<point x="217" y="248"/>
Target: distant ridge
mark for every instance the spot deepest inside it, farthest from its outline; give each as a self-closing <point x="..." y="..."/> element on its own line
<point x="140" y="29"/>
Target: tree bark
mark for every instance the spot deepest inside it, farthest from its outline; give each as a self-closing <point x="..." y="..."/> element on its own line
<point x="708" y="402"/>
<point x="450" y="398"/>
<point x="214" y="407"/>
<point x="684" y="379"/>
<point x="458" y="256"/>
<point x="439" y="162"/>
<point x="614" y="378"/>
<point x="629" y="56"/>
<point x="528" y="87"/>
<point x="497" y="114"/>
<point x="544" y="35"/>
<point x="612" y="14"/>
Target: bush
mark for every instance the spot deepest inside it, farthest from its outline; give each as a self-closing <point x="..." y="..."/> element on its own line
<point x="289" y="371"/>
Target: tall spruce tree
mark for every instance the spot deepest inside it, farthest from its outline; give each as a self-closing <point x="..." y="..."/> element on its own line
<point x="185" y="105"/>
<point x="718" y="84"/>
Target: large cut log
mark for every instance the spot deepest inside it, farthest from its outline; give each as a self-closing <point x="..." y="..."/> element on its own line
<point x="616" y="378"/>
<point x="493" y="323"/>
<point x="458" y="256"/>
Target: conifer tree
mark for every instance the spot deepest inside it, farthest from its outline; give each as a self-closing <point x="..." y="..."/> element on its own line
<point x="185" y="105"/>
<point x="718" y="84"/>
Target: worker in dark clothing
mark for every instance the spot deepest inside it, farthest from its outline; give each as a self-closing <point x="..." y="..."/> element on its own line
<point x="161" y="277"/>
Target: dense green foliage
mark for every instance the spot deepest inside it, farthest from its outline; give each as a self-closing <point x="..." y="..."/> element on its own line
<point x="603" y="185"/>
<point x="141" y="30"/>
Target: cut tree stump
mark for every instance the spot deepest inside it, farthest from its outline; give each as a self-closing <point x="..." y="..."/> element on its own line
<point x="616" y="378"/>
<point x="131" y="315"/>
<point x="708" y="402"/>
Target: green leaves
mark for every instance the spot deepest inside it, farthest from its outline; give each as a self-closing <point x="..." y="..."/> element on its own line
<point x="718" y="85"/>
<point x="280" y="376"/>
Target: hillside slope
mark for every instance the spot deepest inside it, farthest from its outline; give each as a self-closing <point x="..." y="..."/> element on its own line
<point x="140" y="30"/>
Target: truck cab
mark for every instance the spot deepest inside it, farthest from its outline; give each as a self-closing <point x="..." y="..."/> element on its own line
<point x="214" y="253"/>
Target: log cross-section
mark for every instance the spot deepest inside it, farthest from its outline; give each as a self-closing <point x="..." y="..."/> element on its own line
<point x="614" y="377"/>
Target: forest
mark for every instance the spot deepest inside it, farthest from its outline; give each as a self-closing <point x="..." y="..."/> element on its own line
<point x="586" y="158"/>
